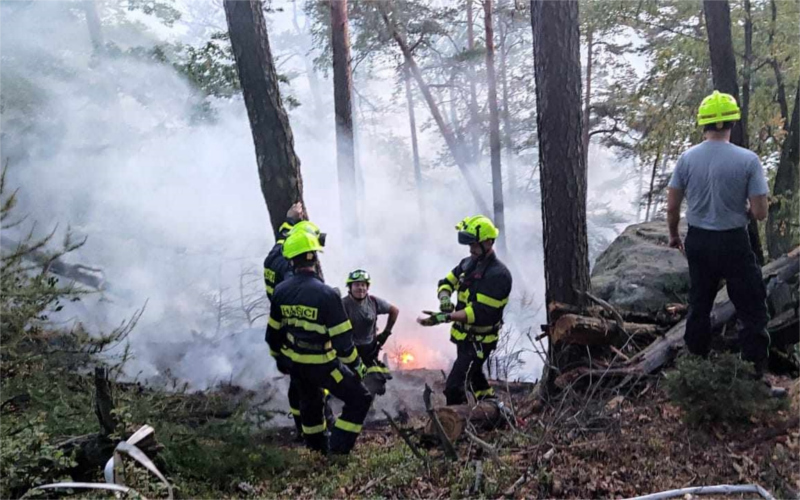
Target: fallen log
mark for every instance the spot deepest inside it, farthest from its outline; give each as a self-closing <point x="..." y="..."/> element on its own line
<point x="782" y="270"/>
<point x="585" y="330"/>
<point x="667" y="316"/>
<point x="453" y="419"/>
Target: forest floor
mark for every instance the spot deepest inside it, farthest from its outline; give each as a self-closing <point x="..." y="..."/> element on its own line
<point x="216" y="445"/>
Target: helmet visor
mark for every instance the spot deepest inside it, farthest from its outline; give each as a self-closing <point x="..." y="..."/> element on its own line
<point x="465" y="238"/>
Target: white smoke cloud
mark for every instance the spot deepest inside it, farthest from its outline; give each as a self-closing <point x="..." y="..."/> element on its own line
<point x="173" y="211"/>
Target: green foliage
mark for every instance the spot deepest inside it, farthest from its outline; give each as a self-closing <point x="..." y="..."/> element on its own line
<point x="718" y="390"/>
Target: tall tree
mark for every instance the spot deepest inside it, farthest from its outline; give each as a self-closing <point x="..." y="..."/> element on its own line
<point x="412" y="122"/>
<point x="507" y="134"/>
<point x="278" y="165"/>
<point x="723" y="70"/>
<point x="449" y="137"/>
<point x="342" y="94"/>
<point x="494" y="124"/>
<point x="782" y="224"/>
<point x="93" y="23"/>
<point x="556" y="50"/>
<point x="474" y="117"/>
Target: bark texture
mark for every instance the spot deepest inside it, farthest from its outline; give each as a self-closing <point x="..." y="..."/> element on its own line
<point x="278" y="165"/>
<point x="342" y="94"/>
<point x="556" y="43"/>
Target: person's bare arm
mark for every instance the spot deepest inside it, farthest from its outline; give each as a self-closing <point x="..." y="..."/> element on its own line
<point x="674" y="200"/>
<point x="392" y="319"/>
<point x="759" y="207"/>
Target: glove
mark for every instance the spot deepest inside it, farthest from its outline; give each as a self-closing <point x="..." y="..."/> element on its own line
<point x="434" y="318"/>
<point x="359" y="369"/>
<point x="383" y="337"/>
<point x="445" y="304"/>
<point x="284" y="364"/>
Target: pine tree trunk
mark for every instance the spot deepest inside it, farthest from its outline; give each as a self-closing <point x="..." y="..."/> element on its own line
<point x="587" y="94"/>
<point x="494" y="127"/>
<point x="782" y="224"/>
<point x="776" y="67"/>
<point x="412" y="121"/>
<point x="652" y="185"/>
<point x="507" y="133"/>
<point x="278" y="165"/>
<point x="474" y="117"/>
<point x="342" y="92"/>
<point x="723" y="70"/>
<point x="556" y="45"/>
<point x="747" y="73"/>
<point x="447" y="133"/>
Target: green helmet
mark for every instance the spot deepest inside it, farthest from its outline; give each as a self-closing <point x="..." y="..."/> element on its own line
<point x="283" y="231"/>
<point x="359" y="275"/>
<point x="303" y="238"/>
<point x="476" y="229"/>
<point x="718" y="108"/>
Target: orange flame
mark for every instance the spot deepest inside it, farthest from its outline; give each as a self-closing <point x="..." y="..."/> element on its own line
<point x="406" y="357"/>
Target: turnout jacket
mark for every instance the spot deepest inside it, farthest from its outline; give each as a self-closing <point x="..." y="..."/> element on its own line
<point x="276" y="268"/>
<point x="482" y="288"/>
<point x="308" y="324"/>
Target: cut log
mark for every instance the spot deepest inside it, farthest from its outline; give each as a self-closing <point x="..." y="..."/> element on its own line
<point x="585" y="330"/>
<point x="486" y="415"/>
<point x="663" y="350"/>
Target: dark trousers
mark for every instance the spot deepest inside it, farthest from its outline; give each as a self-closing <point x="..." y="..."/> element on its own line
<point x="294" y="406"/>
<point x="467" y="373"/>
<point x="717" y="255"/>
<point x="311" y="380"/>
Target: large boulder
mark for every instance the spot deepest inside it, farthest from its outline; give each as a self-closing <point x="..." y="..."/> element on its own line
<point x="639" y="271"/>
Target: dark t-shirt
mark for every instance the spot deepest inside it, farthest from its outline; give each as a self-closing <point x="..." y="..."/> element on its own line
<point x="364" y="317"/>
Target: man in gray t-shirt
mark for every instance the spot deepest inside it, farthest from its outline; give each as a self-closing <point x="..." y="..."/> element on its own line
<point x="363" y="310"/>
<point x="724" y="187"/>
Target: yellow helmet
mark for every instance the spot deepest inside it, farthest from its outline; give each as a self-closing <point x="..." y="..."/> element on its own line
<point x="476" y="229"/>
<point x="305" y="237"/>
<point x="718" y="108"/>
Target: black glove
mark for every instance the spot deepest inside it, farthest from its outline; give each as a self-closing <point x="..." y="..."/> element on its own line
<point x="359" y="368"/>
<point x="383" y="337"/>
<point x="284" y="364"/>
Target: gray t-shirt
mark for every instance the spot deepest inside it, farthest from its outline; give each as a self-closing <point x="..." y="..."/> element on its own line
<point x="717" y="178"/>
<point x="364" y="316"/>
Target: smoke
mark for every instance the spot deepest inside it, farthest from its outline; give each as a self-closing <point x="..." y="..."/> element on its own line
<point x="171" y="205"/>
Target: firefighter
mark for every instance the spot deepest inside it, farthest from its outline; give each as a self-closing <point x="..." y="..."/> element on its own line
<point x="725" y="187"/>
<point x="311" y="339"/>
<point x="277" y="269"/>
<point x="363" y="310"/>
<point x="482" y="285"/>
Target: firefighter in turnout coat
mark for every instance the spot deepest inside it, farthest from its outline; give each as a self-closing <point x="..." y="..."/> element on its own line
<point x="481" y="284"/>
<point x="311" y="339"/>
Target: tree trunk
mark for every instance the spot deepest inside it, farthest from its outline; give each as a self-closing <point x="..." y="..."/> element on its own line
<point x="652" y="185"/>
<point x="342" y="92"/>
<point x="311" y="73"/>
<point x="494" y="127"/>
<point x="278" y="165"/>
<point x="93" y="23"/>
<point x="587" y="94"/>
<point x="723" y="70"/>
<point x="776" y="67"/>
<point x="455" y="419"/>
<point x="474" y="118"/>
<point x="585" y="330"/>
<point x="747" y="73"/>
<point x="447" y="133"/>
<point x="782" y="228"/>
<point x="507" y="133"/>
<point x="556" y="44"/>
<point x="412" y="121"/>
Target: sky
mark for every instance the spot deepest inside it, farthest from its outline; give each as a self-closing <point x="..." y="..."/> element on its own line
<point x="173" y="214"/>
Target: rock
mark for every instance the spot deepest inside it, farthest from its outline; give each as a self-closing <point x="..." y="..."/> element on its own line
<point x="638" y="271"/>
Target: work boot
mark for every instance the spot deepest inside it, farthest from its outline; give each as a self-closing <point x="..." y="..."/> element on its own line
<point x="298" y="428"/>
